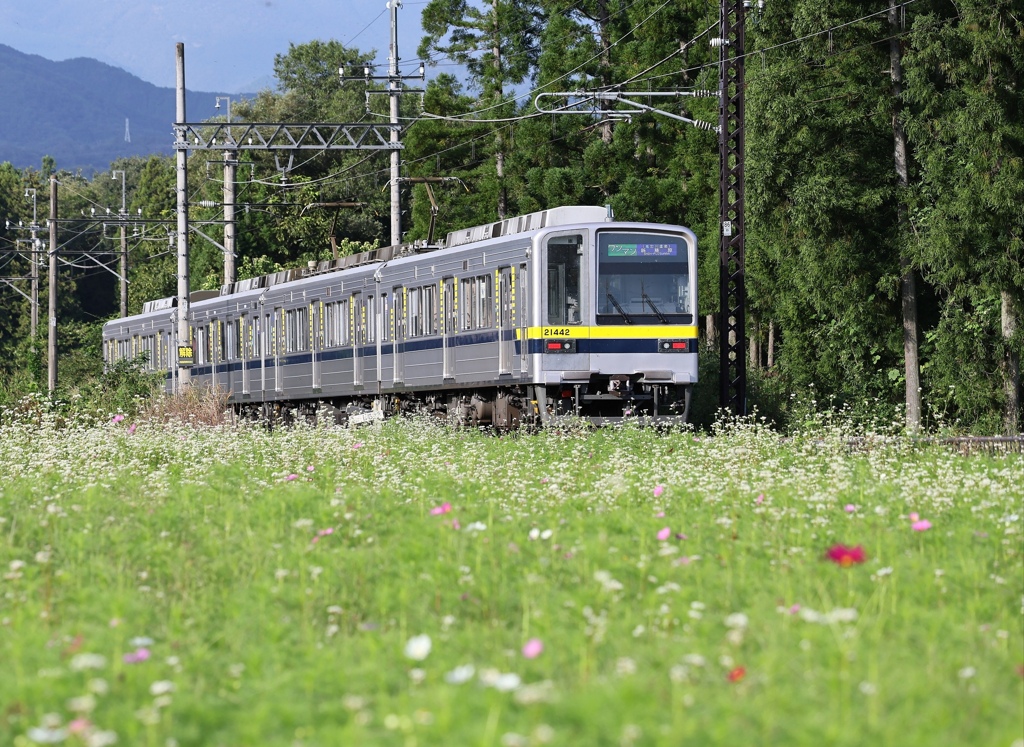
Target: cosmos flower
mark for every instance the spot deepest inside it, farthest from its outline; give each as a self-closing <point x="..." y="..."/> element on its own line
<point x="664" y="533"/>
<point x="921" y="526"/>
<point x="658" y="490"/>
<point x="846" y="556"/>
<point x="533" y="648"/>
<point x="444" y="508"/>
<point x="737" y="674"/>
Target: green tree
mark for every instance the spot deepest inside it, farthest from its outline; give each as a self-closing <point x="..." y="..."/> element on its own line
<point x="964" y="71"/>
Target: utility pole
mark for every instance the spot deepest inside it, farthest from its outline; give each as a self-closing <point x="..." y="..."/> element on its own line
<point x="230" y="159"/>
<point x="732" y="245"/>
<point x="123" y="263"/>
<point x="51" y="367"/>
<point x="394" y="80"/>
<point x="34" y="272"/>
<point x="181" y="160"/>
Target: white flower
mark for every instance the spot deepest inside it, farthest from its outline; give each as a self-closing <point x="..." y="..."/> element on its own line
<point x="82" y="704"/>
<point x="476" y="526"/>
<point x="161" y="687"/>
<point x="80" y="662"/>
<point x="506" y="682"/>
<point x="418" y="647"/>
<point x="101" y="739"/>
<point x="546" y="534"/>
<point x="46" y="735"/>
<point x="534" y="533"/>
<point x="737" y="620"/>
<point x="140" y="641"/>
<point x="460" y="675"/>
<point x="417" y="675"/>
<point x="967" y="672"/>
<point x="695" y="660"/>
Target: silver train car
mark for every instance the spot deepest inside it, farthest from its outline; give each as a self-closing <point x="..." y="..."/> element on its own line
<point x="564" y="312"/>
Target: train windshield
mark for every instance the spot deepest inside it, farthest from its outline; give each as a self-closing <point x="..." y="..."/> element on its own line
<point x="642" y="278"/>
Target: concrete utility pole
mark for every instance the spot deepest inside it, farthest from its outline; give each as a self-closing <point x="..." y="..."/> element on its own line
<point x="394" y="80"/>
<point x="230" y="160"/>
<point x="181" y="159"/>
<point x="51" y="349"/>
<point x="123" y="262"/>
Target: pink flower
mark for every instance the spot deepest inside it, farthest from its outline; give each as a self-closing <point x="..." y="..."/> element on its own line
<point x="310" y="468"/>
<point x="117" y="418"/>
<point x="664" y="534"/>
<point x="79" y="725"/>
<point x="846" y="556"/>
<point x="357" y="445"/>
<point x="444" y="508"/>
<point x="759" y="500"/>
<point x="849" y="508"/>
<point x="131" y="428"/>
<point x="921" y="526"/>
<point x="322" y="533"/>
<point x="793" y="609"/>
<point x="136" y="656"/>
<point x="456" y="525"/>
<point x="660" y="515"/>
<point x="682" y="560"/>
<point x="658" y="490"/>
<point x="533" y="648"/>
<point x="291" y="477"/>
<point x="914" y="517"/>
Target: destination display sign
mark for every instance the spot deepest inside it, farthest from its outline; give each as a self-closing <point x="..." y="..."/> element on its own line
<point x="643" y="250"/>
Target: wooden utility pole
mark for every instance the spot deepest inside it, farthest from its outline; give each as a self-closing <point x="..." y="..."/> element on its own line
<point x="51" y="350"/>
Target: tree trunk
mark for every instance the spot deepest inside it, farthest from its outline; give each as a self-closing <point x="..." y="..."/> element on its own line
<point x="908" y="283"/>
<point x="711" y="334"/>
<point x="605" y="64"/>
<point x="1011" y="367"/>
<point x="771" y="344"/>
<point x="755" y="343"/>
<point x="499" y="140"/>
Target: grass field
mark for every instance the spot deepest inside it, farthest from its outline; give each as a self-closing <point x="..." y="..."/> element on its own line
<point x="414" y="585"/>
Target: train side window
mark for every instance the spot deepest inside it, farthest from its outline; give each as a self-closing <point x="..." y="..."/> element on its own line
<point x="564" y="256"/>
<point x="302" y="330"/>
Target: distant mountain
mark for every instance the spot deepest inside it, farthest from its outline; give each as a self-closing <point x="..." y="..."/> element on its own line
<point x="75" y="111"/>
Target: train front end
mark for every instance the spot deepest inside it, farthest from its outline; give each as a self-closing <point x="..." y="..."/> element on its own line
<point x="616" y="333"/>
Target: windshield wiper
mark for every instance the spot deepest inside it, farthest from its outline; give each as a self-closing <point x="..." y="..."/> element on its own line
<point x="662" y="317"/>
<point x="619" y="309"/>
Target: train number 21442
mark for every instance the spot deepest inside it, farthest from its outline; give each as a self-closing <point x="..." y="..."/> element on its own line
<point x="557" y="332"/>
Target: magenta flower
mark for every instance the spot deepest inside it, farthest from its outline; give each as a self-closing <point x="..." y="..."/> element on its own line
<point x="131" y="428"/>
<point x="914" y="516"/>
<point x="357" y="445"/>
<point x="533" y="648"/>
<point x="444" y="508"/>
<point x="136" y="656"/>
<point x="921" y="526"/>
<point x="456" y="525"/>
<point x="660" y="515"/>
<point x="291" y="477"/>
<point x="322" y="533"/>
<point x="117" y="418"/>
<point x="310" y="468"/>
<point x="760" y="499"/>
<point x="846" y="556"/>
<point x="849" y="508"/>
<point x="658" y="490"/>
<point x="664" y="534"/>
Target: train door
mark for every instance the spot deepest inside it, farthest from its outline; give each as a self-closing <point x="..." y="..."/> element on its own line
<point x="521" y="305"/>
<point x="316" y="340"/>
<point x="398" y="311"/>
<point x="506" y="330"/>
<point x="279" y="338"/>
<point x="565" y="303"/>
<point x="245" y="344"/>
<point x="381" y="309"/>
<point x="358" y="337"/>
<point x="450" y="303"/>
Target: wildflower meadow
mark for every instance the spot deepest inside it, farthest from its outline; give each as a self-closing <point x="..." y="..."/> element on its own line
<point x="410" y="584"/>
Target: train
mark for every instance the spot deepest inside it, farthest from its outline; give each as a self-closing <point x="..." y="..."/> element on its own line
<point x="528" y="321"/>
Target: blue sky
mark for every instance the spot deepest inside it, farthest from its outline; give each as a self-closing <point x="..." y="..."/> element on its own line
<point x="229" y="44"/>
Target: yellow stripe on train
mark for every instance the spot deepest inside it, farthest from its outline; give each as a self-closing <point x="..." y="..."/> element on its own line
<point x="614" y="331"/>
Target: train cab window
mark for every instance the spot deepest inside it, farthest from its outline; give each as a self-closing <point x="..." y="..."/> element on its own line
<point x="564" y="257"/>
<point x="643" y="278"/>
